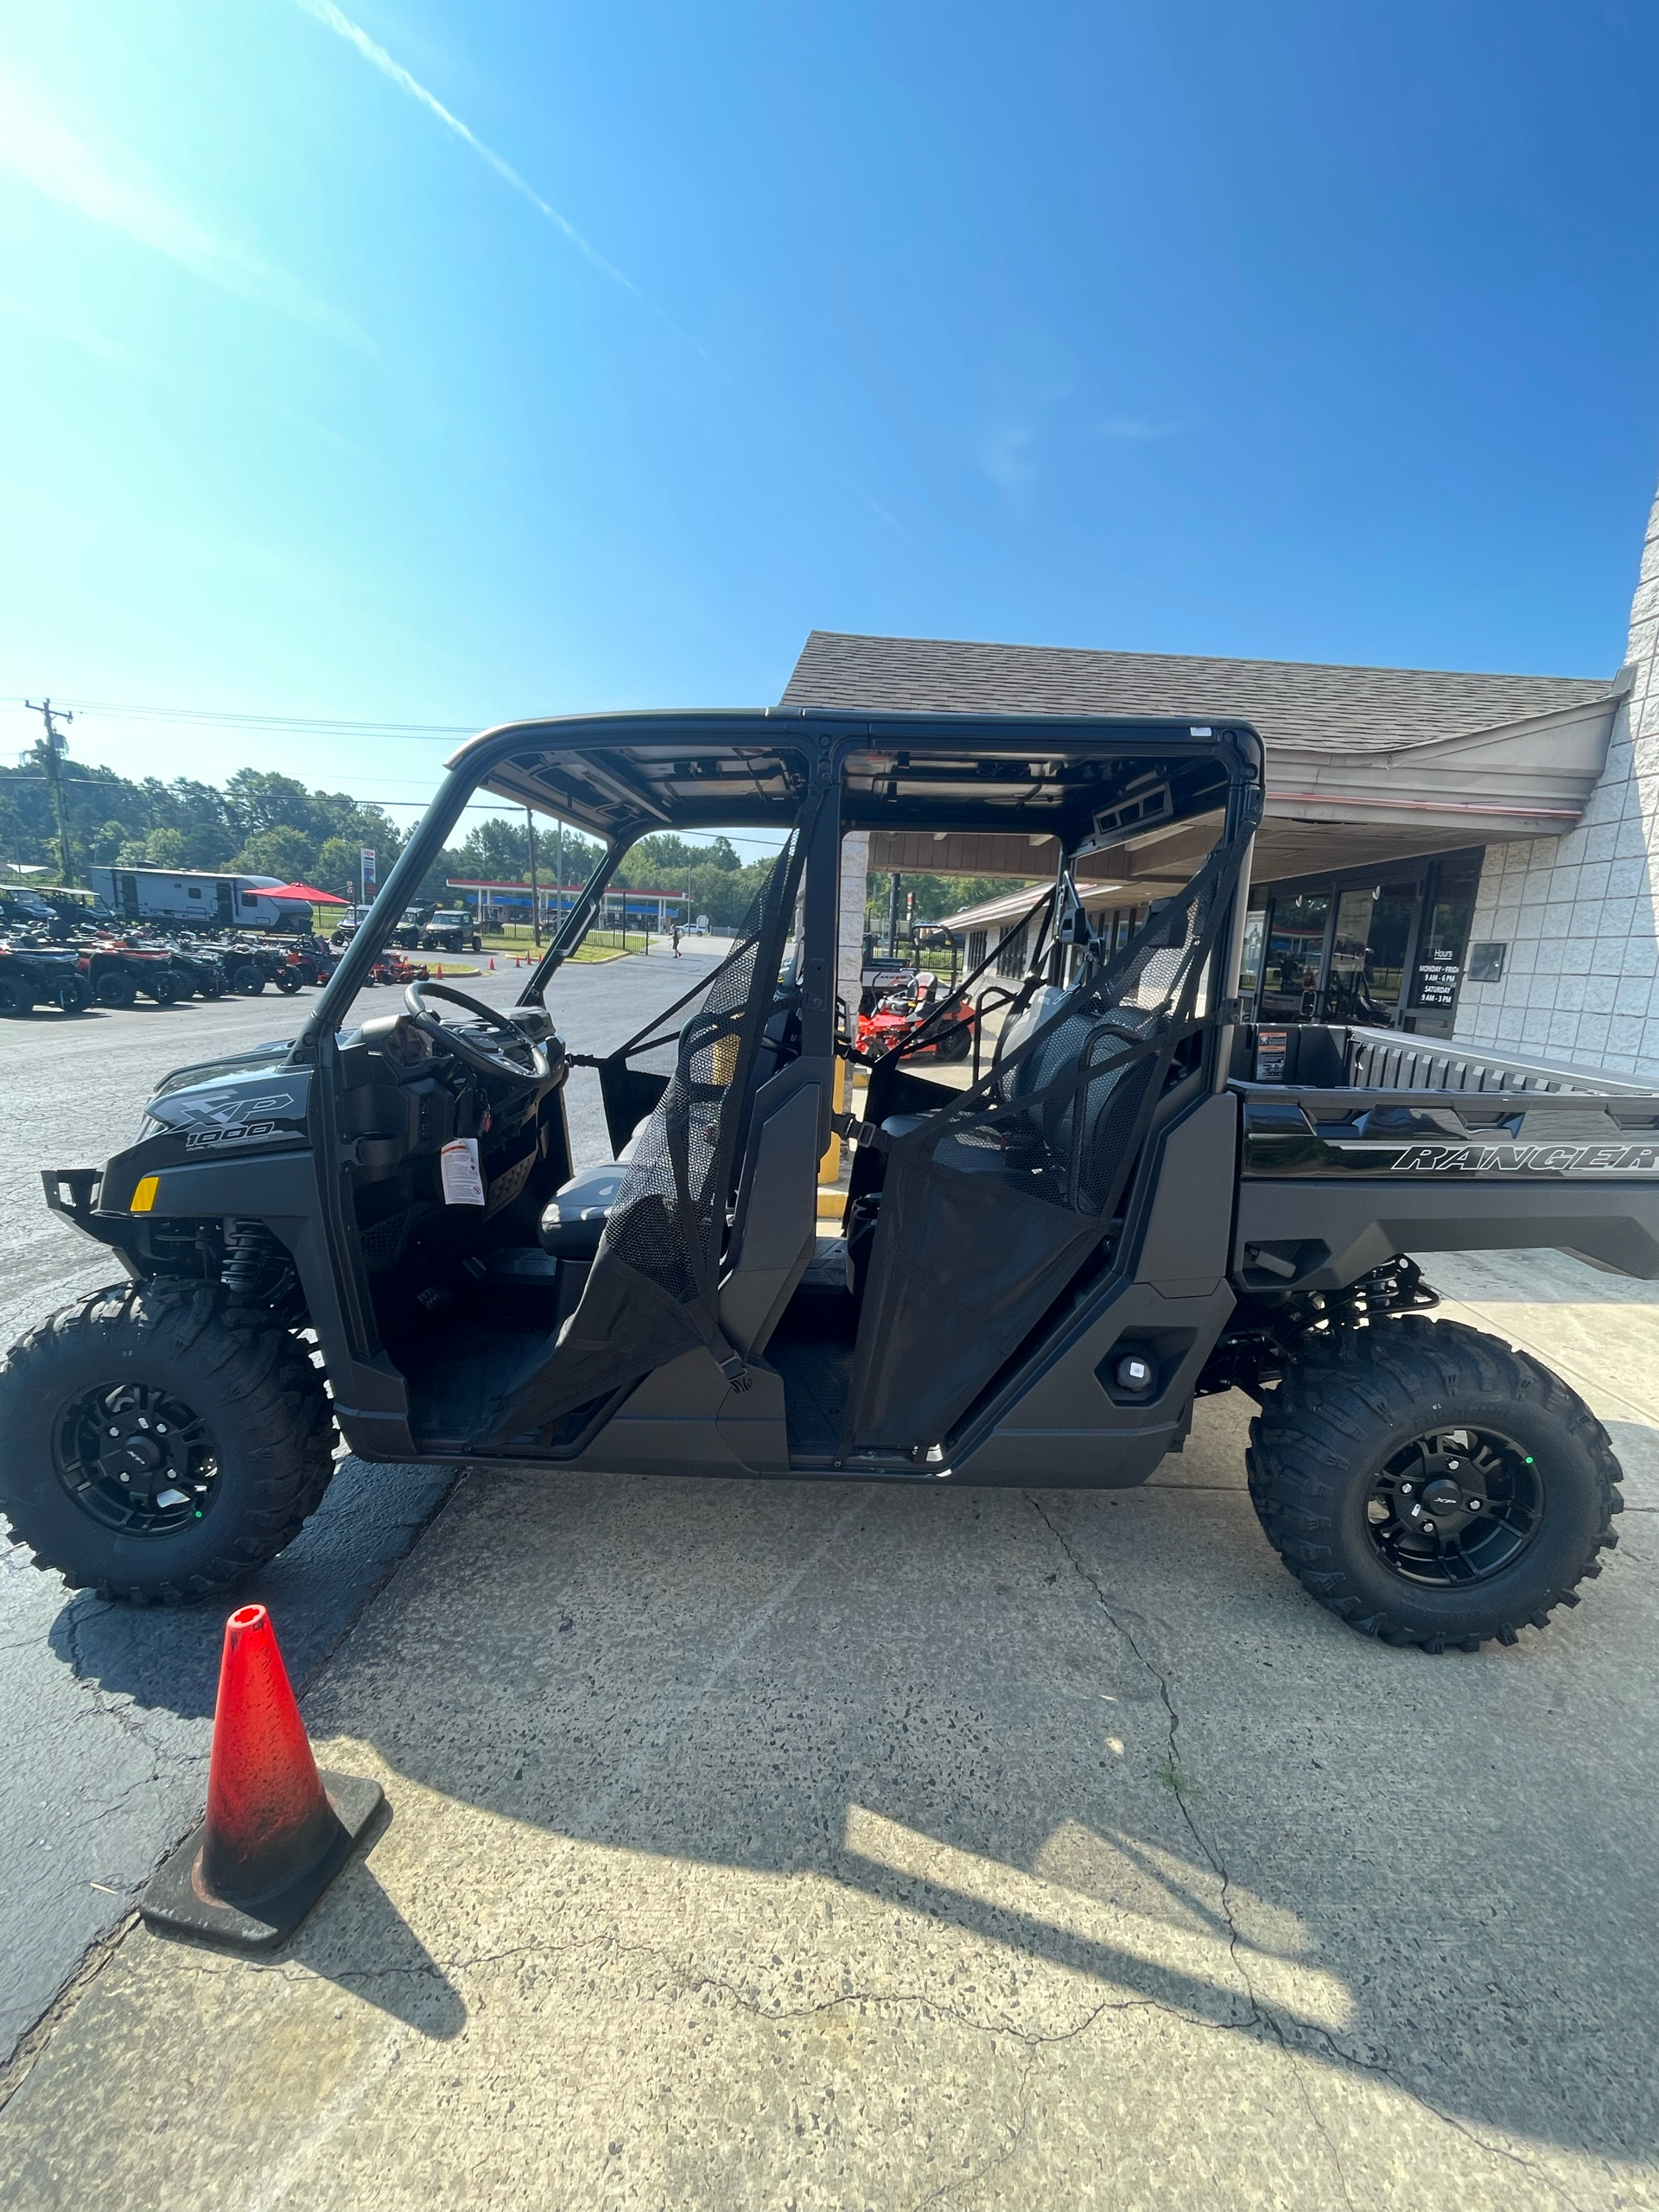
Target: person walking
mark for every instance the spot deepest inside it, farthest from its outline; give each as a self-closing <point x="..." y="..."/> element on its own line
<point x="674" y="938"/>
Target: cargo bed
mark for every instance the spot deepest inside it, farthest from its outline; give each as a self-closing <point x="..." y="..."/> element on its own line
<point x="1356" y="1144"/>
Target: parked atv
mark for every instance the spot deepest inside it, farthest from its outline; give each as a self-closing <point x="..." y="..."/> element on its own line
<point x="34" y="973"/>
<point x="250" y="963"/>
<point x="316" y="962"/>
<point x="200" y="971"/>
<point x="117" y="972"/>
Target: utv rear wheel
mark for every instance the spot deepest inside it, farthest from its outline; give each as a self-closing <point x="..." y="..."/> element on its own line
<point x="156" y="1450"/>
<point x="15" y="997"/>
<point x="163" y="988"/>
<point x="1432" y="1486"/>
<point x="248" y="980"/>
<point x="114" y="989"/>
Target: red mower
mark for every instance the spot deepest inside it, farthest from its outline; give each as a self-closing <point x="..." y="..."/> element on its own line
<point x="895" y="1019"/>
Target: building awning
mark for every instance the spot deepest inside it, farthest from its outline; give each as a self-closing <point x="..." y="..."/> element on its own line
<point x="1363" y="765"/>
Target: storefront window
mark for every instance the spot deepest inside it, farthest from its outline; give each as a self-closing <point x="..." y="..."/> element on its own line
<point x="1446" y="918"/>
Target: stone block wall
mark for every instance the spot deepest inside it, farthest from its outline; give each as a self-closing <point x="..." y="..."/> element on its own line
<point x="1579" y="914"/>
<point x="854" y="888"/>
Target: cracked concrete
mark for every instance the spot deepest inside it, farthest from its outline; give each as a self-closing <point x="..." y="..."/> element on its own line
<point x="777" y="1844"/>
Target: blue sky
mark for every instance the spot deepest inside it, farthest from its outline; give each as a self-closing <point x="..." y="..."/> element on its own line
<point x="421" y="364"/>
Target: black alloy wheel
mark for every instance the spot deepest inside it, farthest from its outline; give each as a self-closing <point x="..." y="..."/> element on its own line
<point x="247" y="979"/>
<point x="162" y="987"/>
<point x="1455" y="1506"/>
<point x="15" y="997"/>
<point x="1430" y="1486"/>
<point x="136" y="1459"/>
<point x="159" y="1442"/>
<point x="115" y="988"/>
<point x="288" y="981"/>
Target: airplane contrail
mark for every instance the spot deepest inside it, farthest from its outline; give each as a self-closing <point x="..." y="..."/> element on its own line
<point x="324" y="12"/>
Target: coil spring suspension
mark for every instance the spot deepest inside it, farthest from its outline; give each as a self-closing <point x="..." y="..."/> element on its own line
<point x="257" y="1270"/>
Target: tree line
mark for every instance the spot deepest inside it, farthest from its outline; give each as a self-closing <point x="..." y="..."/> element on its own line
<point x="259" y="823"/>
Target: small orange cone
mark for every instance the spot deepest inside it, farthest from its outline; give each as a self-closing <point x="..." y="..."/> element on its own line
<point x="276" y="1831"/>
<point x="491" y="963"/>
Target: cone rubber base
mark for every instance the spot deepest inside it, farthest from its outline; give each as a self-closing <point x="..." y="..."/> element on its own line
<point x="172" y="1900"/>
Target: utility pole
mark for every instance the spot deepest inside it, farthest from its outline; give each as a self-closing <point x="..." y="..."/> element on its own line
<point x="55" y="747"/>
<point x="558" y="888"/>
<point x="535" y="888"/>
<point x="892" y="915"/>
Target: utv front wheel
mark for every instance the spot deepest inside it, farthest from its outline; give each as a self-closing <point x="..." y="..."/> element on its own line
<point x="156" y="1451"/>
<point x="1430" y="1486"/>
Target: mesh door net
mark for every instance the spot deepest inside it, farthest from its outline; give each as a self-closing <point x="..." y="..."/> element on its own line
<point x="653" y="1289"/>
<point x="991" y="1205"/>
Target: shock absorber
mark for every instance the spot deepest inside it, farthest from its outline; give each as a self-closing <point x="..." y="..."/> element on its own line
<point x="257" y="1270"/>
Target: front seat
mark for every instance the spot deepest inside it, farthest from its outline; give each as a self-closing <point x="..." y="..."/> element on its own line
<point x="573" y="1220"/>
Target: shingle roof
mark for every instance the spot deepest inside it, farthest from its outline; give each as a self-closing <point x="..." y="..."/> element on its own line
<point x="1295" y="704"/>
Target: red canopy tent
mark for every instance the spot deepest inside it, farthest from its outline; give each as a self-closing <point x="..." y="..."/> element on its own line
<point x="302" y="890"/>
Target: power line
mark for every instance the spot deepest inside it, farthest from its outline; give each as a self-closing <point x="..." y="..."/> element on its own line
<point x="331" y="725"/>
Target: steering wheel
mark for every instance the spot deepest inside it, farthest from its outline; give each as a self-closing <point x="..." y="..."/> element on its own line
<point x="520" y="1056"/>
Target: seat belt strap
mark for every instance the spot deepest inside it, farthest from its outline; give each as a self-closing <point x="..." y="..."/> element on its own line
<point x="861" y="1133"/>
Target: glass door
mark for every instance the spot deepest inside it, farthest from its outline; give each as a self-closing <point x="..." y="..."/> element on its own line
<point x="1367" y="953"/>
<point x="1295" y="951"/>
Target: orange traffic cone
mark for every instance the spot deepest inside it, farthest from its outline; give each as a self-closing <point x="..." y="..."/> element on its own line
<point x="276" y="1831"/>
<point x="491" y="963"/>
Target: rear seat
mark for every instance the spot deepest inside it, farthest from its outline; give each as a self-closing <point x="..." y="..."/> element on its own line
<point x="1042" y="1002"/>
<point x="1035" y="1074"/>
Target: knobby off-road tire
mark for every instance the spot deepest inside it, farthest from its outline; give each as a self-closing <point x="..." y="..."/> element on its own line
<point x="1350" y="1410"/>
<point x="257" y="1401"/>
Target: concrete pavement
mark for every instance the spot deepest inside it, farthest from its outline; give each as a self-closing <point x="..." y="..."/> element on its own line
<point x="776" y="1844"/>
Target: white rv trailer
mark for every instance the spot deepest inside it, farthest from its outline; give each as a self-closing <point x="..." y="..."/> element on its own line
<point x="194" y="898"/>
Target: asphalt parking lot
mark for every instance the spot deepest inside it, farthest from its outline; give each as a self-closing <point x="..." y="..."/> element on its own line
<point x="791" y="1843"/>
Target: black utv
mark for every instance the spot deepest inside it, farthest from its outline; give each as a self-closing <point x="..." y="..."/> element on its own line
<point x="1130" y="1197"/>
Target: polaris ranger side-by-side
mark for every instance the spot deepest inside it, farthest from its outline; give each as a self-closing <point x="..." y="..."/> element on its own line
<point x="1129" y="1198"/>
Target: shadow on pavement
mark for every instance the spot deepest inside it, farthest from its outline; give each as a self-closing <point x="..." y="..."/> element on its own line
<point x="1103" y="1735"/>
<point x="1073" y="1750"/>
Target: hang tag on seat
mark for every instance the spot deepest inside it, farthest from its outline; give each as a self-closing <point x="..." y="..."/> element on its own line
<point x="463" y="1182"/>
